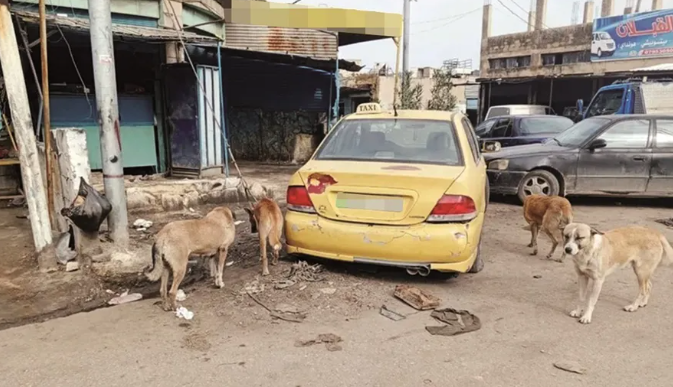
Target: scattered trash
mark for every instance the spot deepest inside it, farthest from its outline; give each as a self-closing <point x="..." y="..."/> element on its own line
<point x="292" y="315"/>
<point x="142" y="224"/>
<point x="666" y="222"/>
<point x="282" y="284"/>
<point x="17" y="202"/>
<point x="185" y="313"/>
<point x="331" y="342"/>
<point x="64" y="247"/>
<point x="570" y="366"/>
<point x="385" y="312"/>
<point x="108" y="291"/>
<point x="72" y="266"/>
<point x="457" y="322"/>
<point x="89" y="208"/>
<point x="236" y="223"/>
<point x="301" y="272"/>
<point x="125" y="298"/>
<point x="180" y="296"/>
<point x="537" y="276"/>
<point x="328" y="290"/>
<point x="253" y="287"/>
<point x="416" y="297"/>
<point x="229" y="263"/>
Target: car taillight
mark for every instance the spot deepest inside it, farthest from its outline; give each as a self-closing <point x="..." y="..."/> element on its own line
<point x="298" y="200"/>
<point x="453" y="208"/>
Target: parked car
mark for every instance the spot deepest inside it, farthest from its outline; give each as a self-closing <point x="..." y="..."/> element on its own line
<point x="520" y="130"/>
<point x="616" y="155"/>
<point x="517" y="110"/>
<point x="405" y="189"/>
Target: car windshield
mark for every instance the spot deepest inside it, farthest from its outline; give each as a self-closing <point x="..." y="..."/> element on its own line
<point x="540" y="125"/>
<point x="604" y="35"/>
<point x="498" y="112"/>
<point x="393" y="140"/>
<point x="580" y="132"/>
<point x="484" y="127"/>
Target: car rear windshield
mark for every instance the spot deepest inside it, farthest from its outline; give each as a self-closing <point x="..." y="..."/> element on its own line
<point x="498" y="112"/>
<point x="545" y="125"/>
<point x="396" y="140"/>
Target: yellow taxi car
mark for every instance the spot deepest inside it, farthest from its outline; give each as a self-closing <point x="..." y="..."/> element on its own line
<point x="401" y="188"/>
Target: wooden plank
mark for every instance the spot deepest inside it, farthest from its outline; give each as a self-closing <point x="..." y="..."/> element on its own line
<point x="5" y="162"/>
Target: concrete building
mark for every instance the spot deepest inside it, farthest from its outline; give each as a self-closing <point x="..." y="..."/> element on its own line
<point x="550" y="66"/>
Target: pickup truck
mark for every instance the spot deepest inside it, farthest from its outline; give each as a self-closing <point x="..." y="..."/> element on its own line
<point x="631" y="97"/>
<point x="521" y="129"/>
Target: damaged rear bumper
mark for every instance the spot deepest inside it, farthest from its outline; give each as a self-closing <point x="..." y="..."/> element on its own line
<point x="442" y="247"/>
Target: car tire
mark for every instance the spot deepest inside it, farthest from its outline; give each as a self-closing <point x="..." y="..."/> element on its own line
<point x="478" y="264"/>
<point x="599" y="53"/>
<point x="539" y="182"/>
<point x="488" y="195"/>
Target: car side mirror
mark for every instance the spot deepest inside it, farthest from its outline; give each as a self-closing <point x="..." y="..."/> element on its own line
<point x="597" y="144"/>
<point x="580" y="106"/>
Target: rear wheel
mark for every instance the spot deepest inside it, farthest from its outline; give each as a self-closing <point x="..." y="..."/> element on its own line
<point x="478" y="264"/>
<point x="538" y="182"/>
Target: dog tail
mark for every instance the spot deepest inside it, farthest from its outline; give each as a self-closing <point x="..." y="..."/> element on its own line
<point x="274" y="241"/>
<point x="668" y="250"/>
<point x="154" y="273"/>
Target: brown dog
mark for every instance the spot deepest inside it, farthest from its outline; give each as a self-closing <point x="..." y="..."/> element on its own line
<point x="267" y="219"/>
<point x="178" y="240"/>
<point x="549" y="213"/>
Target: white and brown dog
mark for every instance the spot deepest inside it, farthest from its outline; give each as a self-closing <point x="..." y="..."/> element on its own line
<point x="598" y="254"/>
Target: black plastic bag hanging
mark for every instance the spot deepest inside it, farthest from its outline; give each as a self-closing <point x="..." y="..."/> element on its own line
<point x="89" y="209"/>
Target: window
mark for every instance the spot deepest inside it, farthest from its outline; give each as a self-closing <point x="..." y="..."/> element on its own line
<point x="664" y="134"/>
<point x="549" y="124"/>
<point x="502" y="128"/>
<point x="497" y="112"/>
<point x="399" y="140"/>
<point x="605" y="103"/>
<point x="510" y="63"/>
<point x="579" y="133"/>
<point x="627" y="134"/>
<point x="484" y="129"/>
<point x="472" y="139"/>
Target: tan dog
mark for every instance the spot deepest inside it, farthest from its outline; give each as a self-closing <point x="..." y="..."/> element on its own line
<point x="267" y="219"/>
<point x="549" y="214"/>
<point x="178" y="240"/>
<point x="596" y="255"/>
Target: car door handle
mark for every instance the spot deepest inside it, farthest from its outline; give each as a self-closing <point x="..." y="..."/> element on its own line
<point x="638" y="158"/>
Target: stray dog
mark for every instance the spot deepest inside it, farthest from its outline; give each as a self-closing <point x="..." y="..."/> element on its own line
<point x="596" y="255"/>
<point x="549" y="213"/>
<point x="178" y="240"/>
<point x="267" y="219"/>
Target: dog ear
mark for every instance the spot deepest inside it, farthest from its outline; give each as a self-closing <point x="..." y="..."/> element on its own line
<point x="595" y="232"/>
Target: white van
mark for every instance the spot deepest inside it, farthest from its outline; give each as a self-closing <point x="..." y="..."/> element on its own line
<point x="602" y="44"/>
<point x="518" y="110"/>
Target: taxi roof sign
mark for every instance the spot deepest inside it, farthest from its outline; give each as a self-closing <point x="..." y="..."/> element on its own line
<point x="369" y="108"/>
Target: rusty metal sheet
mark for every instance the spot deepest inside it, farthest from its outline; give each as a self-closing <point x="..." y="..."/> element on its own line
<point x="315" y="44"/>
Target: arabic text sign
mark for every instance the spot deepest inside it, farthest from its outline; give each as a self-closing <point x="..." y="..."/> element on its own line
<point x="639" y="36"/>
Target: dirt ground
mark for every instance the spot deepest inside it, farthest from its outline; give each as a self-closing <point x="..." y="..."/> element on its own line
<point x="522" y="301"/>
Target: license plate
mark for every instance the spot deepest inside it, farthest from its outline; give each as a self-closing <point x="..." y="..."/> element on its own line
<point x="369" y="203"/>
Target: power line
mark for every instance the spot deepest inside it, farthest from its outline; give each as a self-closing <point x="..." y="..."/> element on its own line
<point x="524" y="10"/>
<point x="446" y="18"/>
<point x="450" y="20"/>
<point x="512" y="12"/>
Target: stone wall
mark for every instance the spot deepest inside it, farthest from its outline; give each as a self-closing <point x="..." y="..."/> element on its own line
<point x="257" y="135"/>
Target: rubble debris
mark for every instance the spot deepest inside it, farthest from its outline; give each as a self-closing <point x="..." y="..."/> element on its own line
<point x="385" y="312"/>
<point x="184" y="313"/>
<point x="142" y="224"/>
<point x="236" y="223"/>
<point x="252" y="287"/>
<point x="329" y="339"/>
<point x="328" y="290"/>
<point x="301" y="272"/>
<point x="89" y="208"/>
<point x="666" y="222"/>
<point x="416" y="298"/>
<point x="72" y="266"/>
<point x="64" y="251"/>
<point x="570" y="366"/>
<point x="457" y="322"/>
<point x="180" y="296"/>
<point x="537" y="276"/>
<point x="291" y="315"/>
<point x="125" y="298"/>
<point x="17" y="202"/>
<point x="229" y="263"/>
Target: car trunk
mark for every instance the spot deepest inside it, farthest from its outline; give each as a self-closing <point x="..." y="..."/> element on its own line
<point x="377" y="192"/>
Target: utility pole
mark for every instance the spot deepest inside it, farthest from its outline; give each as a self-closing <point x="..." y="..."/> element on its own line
<point x="22" y="122"/>
<point x="405" y="38"/>
<point x="46" y="115"/>
<point x="102" y="51"/>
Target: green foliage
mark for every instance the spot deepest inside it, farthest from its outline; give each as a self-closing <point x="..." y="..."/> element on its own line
<point x="442" y="99"/>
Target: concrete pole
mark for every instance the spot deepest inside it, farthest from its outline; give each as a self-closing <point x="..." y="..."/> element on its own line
<point x="22" y="122"/>
<point x="608" y="8"/>
<point x="46" y="113"/>
<point x="588" y="12"/>
<point x="405" y="38"/>
<point x="105" y="80"/>
<point x="540" y="14"/>
<point x="531" y="20"/>
<point x="657" y="5"/>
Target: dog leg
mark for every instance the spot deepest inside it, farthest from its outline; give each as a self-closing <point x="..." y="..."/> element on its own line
<point x="220" y="267"/>
<point x="163" y="289"/>
<point x="178" y="276"/>
<point x="213" y="270"/>
<point x="265" y="261"/>
<point x="534" y="230"/>
<point x="582" y="282"/>
<point x="554" y="244"/>
<point x="594" y="292"/>
<point x="645" y="287"/>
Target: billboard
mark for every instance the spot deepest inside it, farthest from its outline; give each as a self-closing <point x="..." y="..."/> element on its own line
<point x="636" y="36"/>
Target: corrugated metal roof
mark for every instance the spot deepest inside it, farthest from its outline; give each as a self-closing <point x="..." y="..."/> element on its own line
<point x="321" y="45"/>
<point x="659" y="67"/>
<point x="127" y="31"/>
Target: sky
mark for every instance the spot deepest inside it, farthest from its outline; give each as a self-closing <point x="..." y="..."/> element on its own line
<point x="448" y="29"/>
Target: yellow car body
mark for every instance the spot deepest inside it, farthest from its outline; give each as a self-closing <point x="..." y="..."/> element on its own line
<point x="387" y="211"/>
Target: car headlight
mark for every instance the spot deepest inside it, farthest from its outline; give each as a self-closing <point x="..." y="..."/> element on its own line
<point x="499" y="165"/>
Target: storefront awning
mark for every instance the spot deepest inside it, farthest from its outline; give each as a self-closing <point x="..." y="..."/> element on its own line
<point x="146" y="34"/>
<point x="352" y="25"/>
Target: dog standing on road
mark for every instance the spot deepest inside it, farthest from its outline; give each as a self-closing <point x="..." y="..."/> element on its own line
<point x="211" y="235"/>
<point x="267" y="219"/>
<point x="549" y="214"/>
<point x="596" y="255"/>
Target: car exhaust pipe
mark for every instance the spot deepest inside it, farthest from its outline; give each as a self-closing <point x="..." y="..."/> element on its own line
<point x="412" y="271"/>
<point x="423" y="271"/>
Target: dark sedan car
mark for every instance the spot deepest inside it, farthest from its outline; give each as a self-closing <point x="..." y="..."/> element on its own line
<point x="618" y="155"/>
<point x="520" y="130"/>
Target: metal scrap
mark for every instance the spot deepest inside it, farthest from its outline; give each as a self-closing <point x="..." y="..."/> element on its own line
<point x="385" y="312"/>
<point x="281" y="313"/>
<point x="416" y="297"/>
<point x="301" y="272"/>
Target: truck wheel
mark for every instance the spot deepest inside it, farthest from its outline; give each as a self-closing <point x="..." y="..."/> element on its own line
<point x="538" y="182"/>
